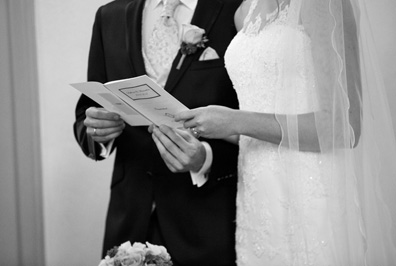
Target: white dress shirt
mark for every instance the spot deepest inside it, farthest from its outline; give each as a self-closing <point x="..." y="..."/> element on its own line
<point x="151" y="15"/>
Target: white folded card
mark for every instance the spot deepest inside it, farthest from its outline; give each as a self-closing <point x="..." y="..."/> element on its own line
<point x="140" y="101"/>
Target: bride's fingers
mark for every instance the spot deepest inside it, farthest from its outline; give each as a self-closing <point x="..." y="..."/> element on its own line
<point x="190" y="123"/>
<point x="186" y="115"/>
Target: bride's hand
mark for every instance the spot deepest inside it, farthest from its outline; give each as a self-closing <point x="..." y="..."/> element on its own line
<point x="214" y="122"/>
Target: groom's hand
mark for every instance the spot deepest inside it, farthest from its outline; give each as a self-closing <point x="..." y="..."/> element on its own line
<point x="103" y="126"/>
<point x="179" y="149"/>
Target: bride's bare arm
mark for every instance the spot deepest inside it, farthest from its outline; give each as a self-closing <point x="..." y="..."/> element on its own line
<point x="224" y="123"/>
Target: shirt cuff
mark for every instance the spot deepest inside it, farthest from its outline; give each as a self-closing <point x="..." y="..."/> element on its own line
<point x="199" y="178"/>
<point x="105" y="150"/>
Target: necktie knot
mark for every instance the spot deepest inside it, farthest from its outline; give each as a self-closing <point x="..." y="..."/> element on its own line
<point x="169" y="8"/>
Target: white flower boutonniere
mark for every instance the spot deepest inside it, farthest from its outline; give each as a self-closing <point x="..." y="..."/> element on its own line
<point x="193" y="38"/>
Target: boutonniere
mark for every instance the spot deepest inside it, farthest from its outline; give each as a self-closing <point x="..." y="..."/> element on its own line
<point x="193" y="38"/>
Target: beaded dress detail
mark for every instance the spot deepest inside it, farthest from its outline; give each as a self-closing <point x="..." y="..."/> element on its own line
<point x="274" y="226"/>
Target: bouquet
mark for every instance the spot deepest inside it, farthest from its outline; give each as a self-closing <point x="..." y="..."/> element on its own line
<point x="137" y="254"/>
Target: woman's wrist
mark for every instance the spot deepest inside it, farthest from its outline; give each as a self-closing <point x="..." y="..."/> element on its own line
<point x="238" y="122"/>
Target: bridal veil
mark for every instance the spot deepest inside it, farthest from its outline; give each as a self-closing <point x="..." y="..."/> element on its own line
<point x="351" y="123"/>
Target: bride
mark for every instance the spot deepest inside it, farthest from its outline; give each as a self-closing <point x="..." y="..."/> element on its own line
<point x="317" y="148"/>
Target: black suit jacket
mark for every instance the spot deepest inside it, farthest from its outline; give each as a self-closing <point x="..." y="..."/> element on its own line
<point x="198" y="224"/>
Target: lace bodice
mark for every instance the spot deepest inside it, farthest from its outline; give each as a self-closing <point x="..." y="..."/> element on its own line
<point x="256" y="57"/>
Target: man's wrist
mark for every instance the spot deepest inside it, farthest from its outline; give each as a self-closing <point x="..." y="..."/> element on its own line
<point x="106" y="148"/>
<point x="200" y="177"/>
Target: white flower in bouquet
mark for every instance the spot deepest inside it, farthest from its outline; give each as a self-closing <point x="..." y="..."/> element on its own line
<point x="137" y="254"/>
<point x="156" y="255"/>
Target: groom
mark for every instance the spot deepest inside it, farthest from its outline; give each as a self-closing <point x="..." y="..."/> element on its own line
<point x="168" y="187"/>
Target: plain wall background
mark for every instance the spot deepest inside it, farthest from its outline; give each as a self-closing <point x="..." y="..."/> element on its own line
<point x="75" y="188"/>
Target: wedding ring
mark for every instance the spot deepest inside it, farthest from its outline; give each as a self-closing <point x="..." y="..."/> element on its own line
<point x="94" y="133"/>
<point x="195" y="132"/>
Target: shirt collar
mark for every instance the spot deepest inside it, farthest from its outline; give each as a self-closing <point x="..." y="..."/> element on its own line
<point x="191" y="4"/>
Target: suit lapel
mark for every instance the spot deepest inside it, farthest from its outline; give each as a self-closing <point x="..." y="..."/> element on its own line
<point x="204" y="17"/>
<point x="133" y="35"/>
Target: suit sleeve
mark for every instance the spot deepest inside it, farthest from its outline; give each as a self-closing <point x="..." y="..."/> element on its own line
<point x="224" y="164"/>
<point x="96" y="72"/>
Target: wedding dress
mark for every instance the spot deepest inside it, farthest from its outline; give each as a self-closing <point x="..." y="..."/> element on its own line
<point x="298" y="207"/>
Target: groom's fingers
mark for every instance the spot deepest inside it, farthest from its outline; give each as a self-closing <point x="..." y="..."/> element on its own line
<point x="101" y="113"/>
<point x="180" y="137"/>
<point x="170" y="149"/>
<point x="180" y="145"/>
<point x="190" y="151"/>
<point x="172" y="163"/>
<point x="185" y="134"/>
<point x="169" y="138"/>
